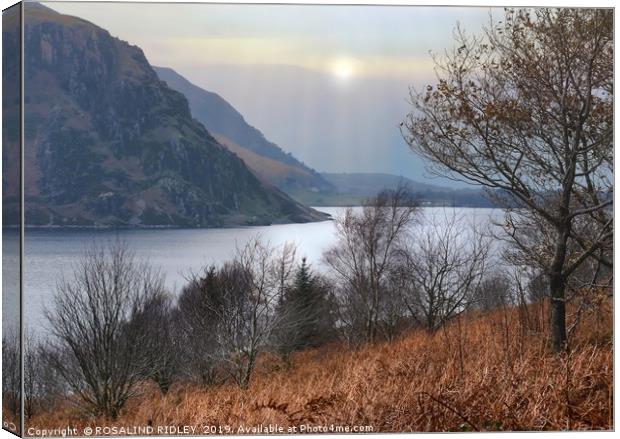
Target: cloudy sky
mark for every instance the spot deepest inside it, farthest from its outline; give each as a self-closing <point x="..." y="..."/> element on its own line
<point x="327" y="83"/>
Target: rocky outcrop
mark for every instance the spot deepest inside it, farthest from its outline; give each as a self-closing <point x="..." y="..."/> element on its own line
<point x="110" y="144"/>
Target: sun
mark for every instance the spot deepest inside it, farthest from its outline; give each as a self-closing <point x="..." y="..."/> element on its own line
<point x="343" y="69"/>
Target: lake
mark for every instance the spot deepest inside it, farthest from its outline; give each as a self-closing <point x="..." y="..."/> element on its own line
<point x="50" y="254"/>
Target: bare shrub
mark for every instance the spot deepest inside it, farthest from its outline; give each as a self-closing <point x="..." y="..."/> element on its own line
<point x="42" y="384"/>
<point x="162" y="346"/>
<point x="494" y="291"/>
<point x="11" y="376"/>
<point x="198" y="324"/>
<point x="97" y="343"/>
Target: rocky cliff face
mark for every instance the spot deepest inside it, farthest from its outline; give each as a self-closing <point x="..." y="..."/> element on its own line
<point x="10" y="116"/>
<point x="265" y="158"/>
<point x="109" y="144"/>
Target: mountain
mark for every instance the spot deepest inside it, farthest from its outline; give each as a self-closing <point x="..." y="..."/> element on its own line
<point x="10" y="116"/>
<point x="107" y="143"/>
<point x="352" y="188"/>
<point x="265" y="158"/>
<point x="272" y="164"/>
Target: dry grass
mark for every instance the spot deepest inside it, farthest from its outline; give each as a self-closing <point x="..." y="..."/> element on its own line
<point x="481" y="372"/>
<point x="265" y="168"/>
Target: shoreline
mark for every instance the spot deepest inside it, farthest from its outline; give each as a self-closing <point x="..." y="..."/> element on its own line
<point x="328" y="217"/>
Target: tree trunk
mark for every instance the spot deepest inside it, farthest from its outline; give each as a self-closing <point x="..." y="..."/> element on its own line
<point x="247" y="372"/>
<point x="557" y="287"/>
<point x="558" y="312"/>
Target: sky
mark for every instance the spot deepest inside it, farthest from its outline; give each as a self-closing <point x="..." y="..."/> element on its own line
<point x="327" y="83"/>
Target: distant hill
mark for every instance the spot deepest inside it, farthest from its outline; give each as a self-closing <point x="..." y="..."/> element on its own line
<point x="265" y="158"/>
<point x="364" y="183"/>
<point x="270" y="163"/>
<point x="352" y="188"/>
<point x="107" y="143"/>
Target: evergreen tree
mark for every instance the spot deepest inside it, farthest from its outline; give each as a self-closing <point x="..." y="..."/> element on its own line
<point x="304" y="314"/>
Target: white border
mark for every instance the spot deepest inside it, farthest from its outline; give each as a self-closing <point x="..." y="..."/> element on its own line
<point x="558" y="3"/>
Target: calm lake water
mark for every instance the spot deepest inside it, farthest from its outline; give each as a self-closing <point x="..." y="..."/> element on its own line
<point x="50" y="254"/>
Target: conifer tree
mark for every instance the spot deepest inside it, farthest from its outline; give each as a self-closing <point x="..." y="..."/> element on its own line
<point x="304" y="314"/>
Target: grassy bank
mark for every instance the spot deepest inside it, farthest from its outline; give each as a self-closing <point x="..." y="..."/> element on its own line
<point x="491" y="371"/>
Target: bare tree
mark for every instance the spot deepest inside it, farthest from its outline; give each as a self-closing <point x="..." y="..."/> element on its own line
<point x="163" y="345"/>
<point x="283" y="267"/>
<point x="537" y="288"/>
<point x="238" y="306"/>
<point x="393" y="312"/>
<point x="361" y="261"/>
<point x="42" y="385"/>
<point x="445" y="267"/>
<point x="97" y="342"/>
<point x="198" y="325"/>
<point x="11" y="376"/>
<point x="494" y="291"/>
<point x="527" y="110"/>
<point x="247" y="320"/>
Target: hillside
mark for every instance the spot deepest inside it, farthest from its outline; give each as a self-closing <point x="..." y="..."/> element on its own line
<point x="352" y="188"/>
<point x="273" y="165"/>
<point x="491" y="371"/>
<point x="267" y="159"/>
<point x="10" y="116"/>
<point x="109" y="144"/>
